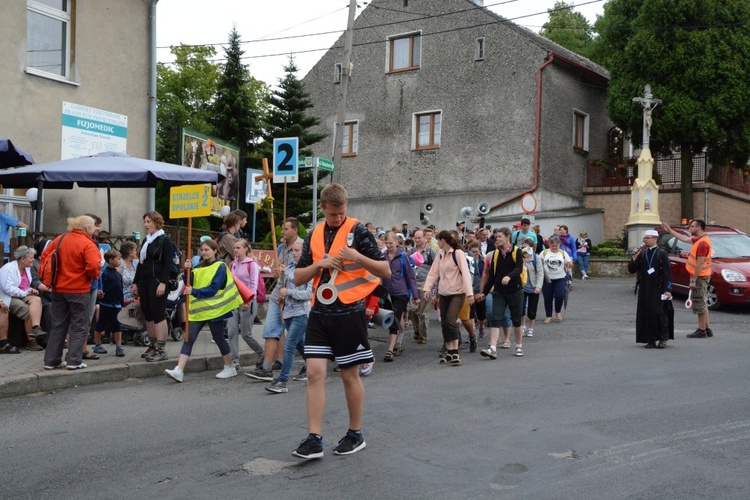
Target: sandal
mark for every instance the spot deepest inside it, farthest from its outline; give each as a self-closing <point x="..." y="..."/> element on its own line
<point x="10" y="349"/>
<point x="506" y="345"/>
<point x="388" y="356"/>
<point x="559" y="317"/>
<point x="89" y="355"/>
<point x="548" y="321"/>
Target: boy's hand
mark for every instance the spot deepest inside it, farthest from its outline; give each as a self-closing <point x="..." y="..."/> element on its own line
<point x="348" y="253"/>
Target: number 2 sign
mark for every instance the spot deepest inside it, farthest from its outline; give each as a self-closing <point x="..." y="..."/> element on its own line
<point x="285" y="153"/>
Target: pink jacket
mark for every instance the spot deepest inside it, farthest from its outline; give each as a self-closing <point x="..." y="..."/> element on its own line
<point x="452" y="279"/>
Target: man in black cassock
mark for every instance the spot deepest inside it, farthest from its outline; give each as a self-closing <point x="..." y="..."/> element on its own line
<point x="654" y="319"/>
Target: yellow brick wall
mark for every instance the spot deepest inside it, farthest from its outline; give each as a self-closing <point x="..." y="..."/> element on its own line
<point x="725" y="207"/>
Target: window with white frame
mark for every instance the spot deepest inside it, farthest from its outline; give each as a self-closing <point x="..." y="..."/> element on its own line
<point x="349" y="138"/>
<point x="426" y="128"/>
<point x="404" y="52"/>
<point x="337" y="73"/>
<point x="479" y="52"/>
<point x="48" y="37"/>
<point x="580" y="131"/>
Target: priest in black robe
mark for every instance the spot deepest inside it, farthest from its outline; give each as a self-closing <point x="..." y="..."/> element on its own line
<point x="654" y="319"/>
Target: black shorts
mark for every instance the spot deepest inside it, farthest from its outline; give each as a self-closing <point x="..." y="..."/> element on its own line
<point x="108" y="320"/>
<point x="341" y="338"/>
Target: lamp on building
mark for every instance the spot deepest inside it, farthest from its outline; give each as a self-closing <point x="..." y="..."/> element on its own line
<point x="32" y="196"/>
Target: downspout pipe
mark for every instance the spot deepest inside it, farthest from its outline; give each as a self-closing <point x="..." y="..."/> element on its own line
<point x="152" y="99"/>
<point x="537" y="133"/>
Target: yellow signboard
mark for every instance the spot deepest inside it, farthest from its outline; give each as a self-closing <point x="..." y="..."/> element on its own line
<point x="190" y="201"/>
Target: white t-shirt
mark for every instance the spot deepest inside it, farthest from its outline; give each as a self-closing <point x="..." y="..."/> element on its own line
<point x="554" y="263"/>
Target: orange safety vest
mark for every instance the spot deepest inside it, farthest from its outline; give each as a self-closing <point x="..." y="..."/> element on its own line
<point x="692" y="261"/>
<point x="353" y="282"/>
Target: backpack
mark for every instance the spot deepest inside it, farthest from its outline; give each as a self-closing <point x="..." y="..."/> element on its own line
<point x="261" y="292"/>
<point x="50" y="266"/>
<point x="524" y="272"/>
<point x="403" y="273"/>
<point x="174" y="267"/>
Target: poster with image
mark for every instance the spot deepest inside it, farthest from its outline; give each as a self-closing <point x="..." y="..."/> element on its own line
<point x="209" y="153"/>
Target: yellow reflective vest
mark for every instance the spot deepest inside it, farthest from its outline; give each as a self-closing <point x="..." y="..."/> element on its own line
<point x="226" y="299"/>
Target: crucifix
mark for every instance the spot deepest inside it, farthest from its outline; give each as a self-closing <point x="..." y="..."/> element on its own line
<point x="649" y="103"/>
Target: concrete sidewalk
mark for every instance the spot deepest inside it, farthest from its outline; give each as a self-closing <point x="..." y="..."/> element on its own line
<point x="24" y="373"/>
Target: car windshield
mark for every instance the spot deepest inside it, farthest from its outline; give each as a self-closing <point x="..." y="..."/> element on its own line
<point x="730" y="246"/>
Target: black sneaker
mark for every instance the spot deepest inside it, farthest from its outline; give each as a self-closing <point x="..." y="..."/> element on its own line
<point x="350" y="444"/>
<point x="709" y="332"/>
<point x="276" y="365"/>
<point x="698" y="334"/>
<point x="473" y="344"/>
<point x="311" y="447"/>
<point x="301" y="376"/>
<point x="260" y="374"/>
<point x="158" y="355"/>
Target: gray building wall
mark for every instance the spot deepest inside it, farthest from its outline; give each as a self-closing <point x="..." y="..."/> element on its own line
<point x="110" y="72"/>
<point x="488" y="115"/>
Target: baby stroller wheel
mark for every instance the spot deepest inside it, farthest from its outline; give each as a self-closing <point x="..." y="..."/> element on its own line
<point x="144" y="339"/>
<point x="137" y="340"/>
<point x="177" y="333"/>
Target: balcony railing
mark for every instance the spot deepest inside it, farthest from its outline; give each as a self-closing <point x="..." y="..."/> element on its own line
<point x="668" y="170"/>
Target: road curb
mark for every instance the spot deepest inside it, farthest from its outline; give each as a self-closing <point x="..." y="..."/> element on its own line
<point x="49" y="381"/>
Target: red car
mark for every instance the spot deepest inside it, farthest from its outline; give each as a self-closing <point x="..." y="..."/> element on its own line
<point x="730" y="267"/>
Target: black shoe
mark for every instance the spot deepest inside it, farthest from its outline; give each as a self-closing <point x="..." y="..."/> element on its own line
<point x="650" y="345"/>
<point x="698" y="334"/>
<point x="311" y="447"/>
<point x="709" y="332"/>
<point x="257" y="321"/>
<point x="261" y="374"/>
<point x="301" y="376"/>
<point x="349" y="444"/>
<point x="473" y="344"/>
<point x="276" y="365"/>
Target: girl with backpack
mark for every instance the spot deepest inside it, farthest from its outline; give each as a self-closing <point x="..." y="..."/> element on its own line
<point x="401" y="287"/>
<point x="556" y="263"/>
<point x="533" y="288"/>
<point x="245" y="269"/>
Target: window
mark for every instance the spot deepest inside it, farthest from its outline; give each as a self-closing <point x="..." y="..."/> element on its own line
<point x="48" y="29"/>
<point x="404" y="52"/>
<point x="349" y="138"/>
<point x="426" y="130"/>
<point x="479" y="52"/>
<point x="337" y="73"/>
<point x="580" y="131"/>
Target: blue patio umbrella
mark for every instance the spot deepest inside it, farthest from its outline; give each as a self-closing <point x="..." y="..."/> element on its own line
<point x="103" y="170"/>
<point x="11" y="156"/>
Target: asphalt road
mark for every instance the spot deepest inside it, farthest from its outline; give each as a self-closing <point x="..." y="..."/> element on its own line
<point x="586" y="413"/>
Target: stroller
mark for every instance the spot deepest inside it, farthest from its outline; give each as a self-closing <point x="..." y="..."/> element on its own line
<point x="133" y="322"/>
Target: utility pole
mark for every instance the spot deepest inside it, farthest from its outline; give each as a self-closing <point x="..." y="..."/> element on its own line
<point x="346" y="72"/>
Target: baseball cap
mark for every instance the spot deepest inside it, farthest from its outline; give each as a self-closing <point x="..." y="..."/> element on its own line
<point x="205" y="238"/>
<point x="460" y="223"/>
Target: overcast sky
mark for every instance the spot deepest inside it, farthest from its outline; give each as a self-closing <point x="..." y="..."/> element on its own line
<point x="260" y="21"/>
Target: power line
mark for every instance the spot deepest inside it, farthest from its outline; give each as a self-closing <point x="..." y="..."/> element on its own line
<point x="286" y="53"/>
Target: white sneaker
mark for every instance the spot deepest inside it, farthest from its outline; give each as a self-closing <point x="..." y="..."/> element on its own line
<point x="489" y="353"/>
<point x="530" y="332"/>
<point x="176" y="374"/>
<point x="365" y="369"/>
<point x="519" y="351"/>
<point x="227" y="372"/>
<point x="584" y="276"/>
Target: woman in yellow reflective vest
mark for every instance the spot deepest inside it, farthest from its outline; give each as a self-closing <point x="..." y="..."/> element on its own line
<point x="214" y="297"/>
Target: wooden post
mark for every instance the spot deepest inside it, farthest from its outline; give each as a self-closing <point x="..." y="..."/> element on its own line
<point x="187" y="275"/>
<point x="267" y="176"/>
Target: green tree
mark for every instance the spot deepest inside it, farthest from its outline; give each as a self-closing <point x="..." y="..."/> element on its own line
<point x="568" y="28"/>
<point x="696" y="55"/>
<point x="287" y="117"/>
<point x="239" y="106"/>
<point x="185" y="90"/>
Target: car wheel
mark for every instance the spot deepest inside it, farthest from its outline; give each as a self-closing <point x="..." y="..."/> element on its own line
<point x="712" y="300"/>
